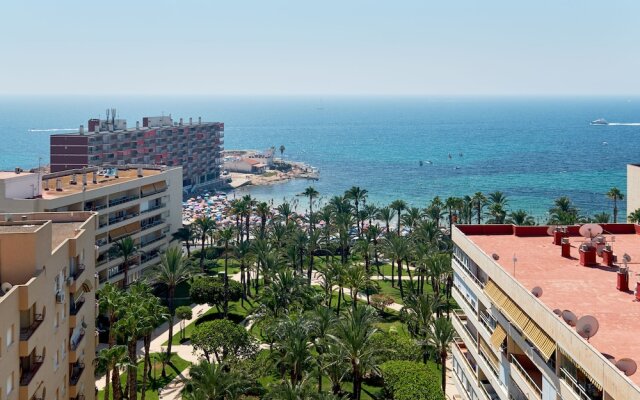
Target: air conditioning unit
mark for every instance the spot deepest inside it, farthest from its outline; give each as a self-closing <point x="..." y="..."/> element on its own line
<point x="69" y="280"/>
<point x="60" y="297"/>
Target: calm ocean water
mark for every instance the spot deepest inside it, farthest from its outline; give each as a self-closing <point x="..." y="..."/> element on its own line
<point x="534" y="150"/>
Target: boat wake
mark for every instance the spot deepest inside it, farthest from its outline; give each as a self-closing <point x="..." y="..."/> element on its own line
<point x="52" y="130"/>
<point x="624" y="123"/>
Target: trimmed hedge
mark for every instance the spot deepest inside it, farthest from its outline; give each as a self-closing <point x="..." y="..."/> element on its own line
<point x="409" y="380"/>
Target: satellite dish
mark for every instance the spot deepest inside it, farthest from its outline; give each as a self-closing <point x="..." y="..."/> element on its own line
<point x="627" y="365"/>
<point x="5" y="287"/>
<point x="495" y="256"/>
<point x="626" y="258"/>
<point x="590" y="230"/>
<point x="569" y="317"/>
<point x="587" y="326"/>
<point x="537" y="291"/>
<point x="550" y="230"/>
<point x="557" y="312"/>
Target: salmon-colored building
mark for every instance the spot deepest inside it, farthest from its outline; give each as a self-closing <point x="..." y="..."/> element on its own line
<point x="47" y="306"/>
<point x="547" y="312"/>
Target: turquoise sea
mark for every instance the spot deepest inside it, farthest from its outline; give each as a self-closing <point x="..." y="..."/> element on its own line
<point x="533" y="149"/>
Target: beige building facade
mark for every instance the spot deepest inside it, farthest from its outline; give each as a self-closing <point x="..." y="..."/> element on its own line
<point x="142" y="202"/>
<point x="527" y="301"/>
<point x="47" y="306"/>
<point x="633" y="187"/>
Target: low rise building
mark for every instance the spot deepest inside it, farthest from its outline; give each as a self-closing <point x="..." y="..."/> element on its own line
<point x="546" y="313"/>
<point x="47" y="306"/>
<point x="143" y="202"/>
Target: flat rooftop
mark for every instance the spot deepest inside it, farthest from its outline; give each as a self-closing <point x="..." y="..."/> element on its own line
<point x="60" y="230"/>
<point x="567" y="285"/>
<point x="124" y="175"/>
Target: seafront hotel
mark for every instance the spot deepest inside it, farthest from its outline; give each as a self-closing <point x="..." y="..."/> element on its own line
<point x="546" y="313"/>
<point x="141" y="202"/>
<point x="47" y="306"/>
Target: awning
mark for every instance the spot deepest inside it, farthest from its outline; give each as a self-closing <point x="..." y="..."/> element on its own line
<point x="589" y="377"/>
<point x="540" y="339"/>
<point x="494" y="293"/>
<point x="118" y="233"/>
<point x="147" y="190"/>
<point x="498" y="336"/>
<point x="160" y="186"/>
<point x="489" y="353"/>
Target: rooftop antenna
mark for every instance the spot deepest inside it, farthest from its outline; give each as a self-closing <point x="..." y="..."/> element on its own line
<point x="515" y="260"/>
<point x="569" y="317"/>
<point x="536" y="291"/>
<point x="587" y="326"/>
<point x="113" y="116"/>
<point x="627" y="365"/>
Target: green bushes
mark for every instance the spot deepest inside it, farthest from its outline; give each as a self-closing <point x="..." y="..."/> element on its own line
<point x="210" y="290"/>
<point x="396" y="347"/>
<point x="409" y="380"/>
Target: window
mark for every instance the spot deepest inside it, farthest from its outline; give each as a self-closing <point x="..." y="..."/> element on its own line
<point x="63" y="348"/>
<point x="10" y="384"/>
<point x="10" y="336"/>
<point x="55" y="320"/>
<point x="55" y="361"/>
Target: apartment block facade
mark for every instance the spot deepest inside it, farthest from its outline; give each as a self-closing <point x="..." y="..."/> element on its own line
<point x="195" y="146"/>
<point x="141" y="202"/>
<point x="528" y="297"/>
<point x="47" y="306"/>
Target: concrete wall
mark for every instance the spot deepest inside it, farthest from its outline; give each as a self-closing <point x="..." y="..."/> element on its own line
<point x="633" y="188"/>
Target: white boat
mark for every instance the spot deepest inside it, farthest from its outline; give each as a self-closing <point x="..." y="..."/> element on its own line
<point x="599" y="121"/>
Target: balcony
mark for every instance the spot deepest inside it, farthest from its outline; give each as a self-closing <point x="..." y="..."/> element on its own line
<point x="578" y="389"/>
<point x="530" y="375"/>
<point x="460" y="323"/>
<point x="26" y="333"/>
<point x="75" y="307"/>
<point x="73" y="344"/>
<point x="79" y="269"/>
<point x="31" y="370"/>
<point x="150" y="225"/>
<point x="125" y="217"/>
<point x="153" y="208"/>
<point x="76" y="373"/>
<point x="122" y="200"/>
<point x="147" y="243"/>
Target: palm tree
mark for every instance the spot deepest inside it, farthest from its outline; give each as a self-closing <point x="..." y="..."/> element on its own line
<point x="353" y="336"/>
<point x="357" y="195"/>
<point x="398" y="205"/>
<point x="634" y="216"/>
<point x="452" y="203"/>
<point x="204" y="226"/>
<point x="108" y="360"/>
<point x="615" y="194"/>
<point x="417" y="313"/>
<point x="243" y="253"/>
<point x="497" y="212"/>
<point x="386" y="214"/>
<point x="154" y="314"/>
<point x="440" y="338"/>
<point x="263" y="210"/>
<point x="479" y="201"/>
<point x="292" y="347"/>
<point x="357" y="278"/>
<point x="226" y="235"/>
<point x="111" y="303"/>
<point x="126" y="248"/>
<point x="564" y="212"/>
<point x="282" y="149"/>
<point x="396" y="248"/>
<point x="185" y="235"/>
<point x="173" y="269"/>
<point x="434" y="210"/>
<point x="520" y="217"/>
<point x="322" y="320"/>
<point x="498" y="197"/>
<point x="210" y="381"/>
<point x="411" y="218"/>
<point x="311" y="193"/>
<point x="602" y="218"/>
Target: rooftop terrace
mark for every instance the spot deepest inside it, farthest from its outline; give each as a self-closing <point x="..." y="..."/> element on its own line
<point x="568" y="285"/>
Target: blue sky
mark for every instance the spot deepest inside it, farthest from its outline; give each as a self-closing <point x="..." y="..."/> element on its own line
<point x="348" y="47"/>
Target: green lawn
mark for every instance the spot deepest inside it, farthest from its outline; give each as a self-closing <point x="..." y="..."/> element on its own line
<point x="236" y="313"/>
<point x="174" y="369"/>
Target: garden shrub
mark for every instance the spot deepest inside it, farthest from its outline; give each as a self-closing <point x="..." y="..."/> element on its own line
<point x="410" y="380"/>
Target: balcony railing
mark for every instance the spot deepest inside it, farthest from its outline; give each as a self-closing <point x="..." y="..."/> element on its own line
<point x="154" y="192"/>
<point x="74" y="344"/>
<point x="488" y="321"/>
<point x="492" y="396"/>
<point x="156" y="207"/>
<point x="489" y="363"/>
<point x="78" y="271"/>
<point x="76" y="373"/>
<point x="26" y="333"/>
<point x="468" y="271"/>
<point x="525" y="374"/>
<point x="575" y="386"/>
<point x="76" y="306"/>
<point x="122" y="218"/>
<point x="145" y="244"/>
<point x="122" y="200"/>
<point x="462" y="320"/>
<point x="151" y="224"/>
<point x="28" y="375"/>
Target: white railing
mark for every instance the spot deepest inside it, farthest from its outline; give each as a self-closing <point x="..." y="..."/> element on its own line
<point x="575" y="386"/>
<point x="526" y="376"/>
